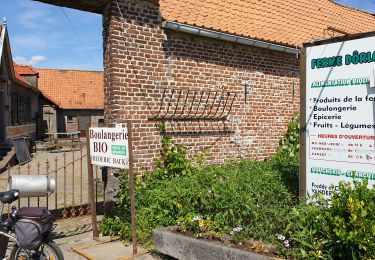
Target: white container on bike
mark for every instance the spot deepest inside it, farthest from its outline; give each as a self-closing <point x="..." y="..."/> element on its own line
<point x="32" y="185"/>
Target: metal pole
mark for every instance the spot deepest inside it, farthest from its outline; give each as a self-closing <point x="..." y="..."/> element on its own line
<point x="132" y="190"/>
<point x="95" y="232"/>
<point x="302" y="147"/>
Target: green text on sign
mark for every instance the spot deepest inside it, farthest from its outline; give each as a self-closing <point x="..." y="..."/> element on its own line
<point x="118" y="149"/>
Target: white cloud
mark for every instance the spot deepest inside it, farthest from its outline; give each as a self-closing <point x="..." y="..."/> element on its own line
<point x="33" y="61"/>
<point x="36" y="19"/>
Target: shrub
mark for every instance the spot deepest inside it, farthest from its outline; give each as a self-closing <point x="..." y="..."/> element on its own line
<point x="286" y="159"/>
<point x="244" y="199"/>
<point x="342" y="227"/>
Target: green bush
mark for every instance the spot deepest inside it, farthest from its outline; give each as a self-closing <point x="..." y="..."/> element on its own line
<point x="246" y="199"/>
<point x="342" y="227"/>
<point x="286" y="159"/>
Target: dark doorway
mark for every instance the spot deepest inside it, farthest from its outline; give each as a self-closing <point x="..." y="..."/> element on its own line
<point x="83" y="123"/>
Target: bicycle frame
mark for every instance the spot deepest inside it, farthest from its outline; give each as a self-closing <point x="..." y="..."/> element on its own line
<point x="9" y="227"/>
<point x="5" y="224"/>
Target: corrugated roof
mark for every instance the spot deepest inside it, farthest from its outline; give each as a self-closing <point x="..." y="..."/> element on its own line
<point x="286" y="22"/>
<point x="73" y="89"/>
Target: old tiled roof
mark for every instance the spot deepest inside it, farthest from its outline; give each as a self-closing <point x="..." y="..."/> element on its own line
<point x="286" y="22"/>
<point x="73" y="89"/>
<point x="21" y="80"/>
<point x="24" y="69"/>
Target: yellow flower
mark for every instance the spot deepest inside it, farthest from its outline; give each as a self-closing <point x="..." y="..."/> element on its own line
<point x="202" y="224"/>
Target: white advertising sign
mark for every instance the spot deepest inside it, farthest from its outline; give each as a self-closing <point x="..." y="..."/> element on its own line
<point x="340" y="112"/>
<point x="109" y="147"/>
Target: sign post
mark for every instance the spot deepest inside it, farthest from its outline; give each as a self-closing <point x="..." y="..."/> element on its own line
<point x="132" y="191"/>
<point x="337" y="113"/>
<point x="112" y="147"/>
<point x="95" y="231"/>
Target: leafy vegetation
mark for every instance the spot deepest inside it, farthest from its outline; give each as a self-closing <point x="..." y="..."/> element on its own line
<point x="244" y="199"/>
<point x="342" y="227"/>
<point x="249" y="200"/>
<point x="286" y="159"/>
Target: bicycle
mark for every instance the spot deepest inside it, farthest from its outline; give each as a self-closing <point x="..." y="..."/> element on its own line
<point x="32" y="227"/>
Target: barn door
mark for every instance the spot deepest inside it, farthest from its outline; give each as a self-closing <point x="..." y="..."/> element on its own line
<point x="83" y="123"/>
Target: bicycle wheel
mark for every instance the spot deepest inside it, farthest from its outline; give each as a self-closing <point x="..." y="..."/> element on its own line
<point x="46" y="251"/>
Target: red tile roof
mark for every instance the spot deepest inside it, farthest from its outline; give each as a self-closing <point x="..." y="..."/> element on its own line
<point x="73" y="89"/>
<point x="286" y="22"/>
<point x="21" y="80"/>
<point x="24" y="69"/>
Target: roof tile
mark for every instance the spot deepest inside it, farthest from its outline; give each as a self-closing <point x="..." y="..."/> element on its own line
<point x="24" y="69"/>
<point x="73" y="89"/>
<point x="287" y="22"/>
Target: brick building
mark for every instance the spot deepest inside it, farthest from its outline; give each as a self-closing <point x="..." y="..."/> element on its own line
<point x="164" y="58"/>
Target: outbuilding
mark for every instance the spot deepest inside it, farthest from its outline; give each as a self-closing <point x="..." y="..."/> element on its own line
<point x="217" y="75"/>
<point x="18" y="99"/>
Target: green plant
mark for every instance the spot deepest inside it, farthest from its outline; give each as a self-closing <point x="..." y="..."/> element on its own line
<point x="174" y="161"/>
<point x="286" y="160"/>
<point x="289" y="144"/>
<point x="342" y="227"/>
<point x="245" y="200"/>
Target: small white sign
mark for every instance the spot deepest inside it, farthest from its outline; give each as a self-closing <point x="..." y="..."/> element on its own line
<point x="109" y="147"/>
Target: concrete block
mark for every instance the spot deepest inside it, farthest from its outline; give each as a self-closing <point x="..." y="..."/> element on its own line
<point x="188" y="248"/>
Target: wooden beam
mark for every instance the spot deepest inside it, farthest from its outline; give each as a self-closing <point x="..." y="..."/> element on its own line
<point x="96" y="6"/>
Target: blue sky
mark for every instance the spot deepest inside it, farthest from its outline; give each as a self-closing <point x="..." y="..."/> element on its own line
<point x="367" y="5"/>
<point x="42" y="36"/>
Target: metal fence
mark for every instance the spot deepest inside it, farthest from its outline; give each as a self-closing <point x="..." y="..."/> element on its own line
<point x="69" y="168"/>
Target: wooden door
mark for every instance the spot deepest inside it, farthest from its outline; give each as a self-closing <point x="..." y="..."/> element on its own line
<point x="83" y="123"/>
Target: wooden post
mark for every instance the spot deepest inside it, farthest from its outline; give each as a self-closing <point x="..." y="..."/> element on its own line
<point x="132" y="190"/>
<point x="95" y="232"/>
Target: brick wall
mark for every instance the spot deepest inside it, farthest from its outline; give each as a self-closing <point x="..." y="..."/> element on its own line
<point x="141" y="58"/>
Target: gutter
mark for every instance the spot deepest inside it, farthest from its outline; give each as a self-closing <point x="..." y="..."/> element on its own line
<point x="180" y="27"/>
